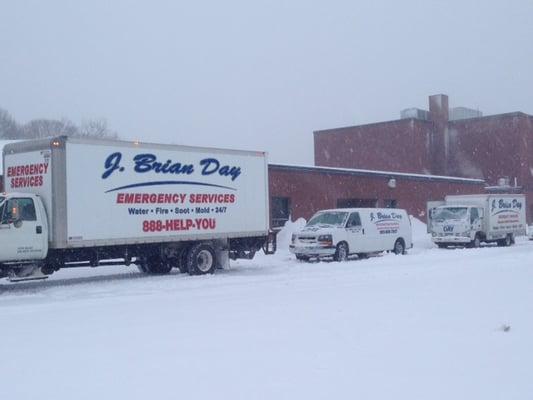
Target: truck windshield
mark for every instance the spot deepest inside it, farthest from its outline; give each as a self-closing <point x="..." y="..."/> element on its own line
<point x="446" y="213"/>
<point x="328" y="218"/>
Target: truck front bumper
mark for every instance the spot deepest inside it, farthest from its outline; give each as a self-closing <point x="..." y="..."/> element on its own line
<point x="451" y="239"/>
<point x="313" y="251"/>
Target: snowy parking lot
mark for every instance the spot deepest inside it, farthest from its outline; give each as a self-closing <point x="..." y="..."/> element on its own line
<point x="434" y="324"/>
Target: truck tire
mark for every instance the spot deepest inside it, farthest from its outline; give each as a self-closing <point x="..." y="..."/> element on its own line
<point x="399" y="247"/>
<point x="506" y="242"/>
<point x="341" y="254"/>
<point x="155" y="265"/>
<point x="474" y="244"/>
<point x="182" y="259"/>
<point x="201" y="259"/>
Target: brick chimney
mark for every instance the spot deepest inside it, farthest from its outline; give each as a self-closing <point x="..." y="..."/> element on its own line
<point x="438" y="114"/>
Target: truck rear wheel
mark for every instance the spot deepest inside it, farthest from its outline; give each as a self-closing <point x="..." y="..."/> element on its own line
<point x="155" y="265"/>
<point x="201" y="259"/>
<point x="182" y="259"/>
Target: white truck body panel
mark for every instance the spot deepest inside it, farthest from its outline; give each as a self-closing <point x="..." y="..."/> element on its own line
<point x="378" y="231"/>
<point x="100" y="192"/>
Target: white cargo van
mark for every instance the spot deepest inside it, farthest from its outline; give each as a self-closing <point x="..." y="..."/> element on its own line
<point x="341" y="232"/>
<point x="468" y="220"/>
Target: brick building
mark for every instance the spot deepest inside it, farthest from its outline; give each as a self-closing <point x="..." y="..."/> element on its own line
<point x="453" y="142"/>
<point x="298" y="191"/>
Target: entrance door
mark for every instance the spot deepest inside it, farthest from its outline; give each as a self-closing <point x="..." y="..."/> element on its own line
<point x="21" y="234"/>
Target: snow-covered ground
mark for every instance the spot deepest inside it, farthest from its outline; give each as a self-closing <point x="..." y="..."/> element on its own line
<point x="434" y="324"/>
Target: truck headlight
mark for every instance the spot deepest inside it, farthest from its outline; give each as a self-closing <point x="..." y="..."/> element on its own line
<point x="325" y="239"/>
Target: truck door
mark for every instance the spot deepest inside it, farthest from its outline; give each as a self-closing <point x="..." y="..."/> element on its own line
<point x="475" y="220"/>
<point x="355" y="233"/>
<point x="22" y="236"/>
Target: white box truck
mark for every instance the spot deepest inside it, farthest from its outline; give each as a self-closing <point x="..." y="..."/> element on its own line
<point x="82" y="202"/>
<point x="469" y="220"/>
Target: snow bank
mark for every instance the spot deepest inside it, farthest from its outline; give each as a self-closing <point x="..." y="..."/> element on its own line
<point x="421" y="239"/>
<point x="285" y="234"/>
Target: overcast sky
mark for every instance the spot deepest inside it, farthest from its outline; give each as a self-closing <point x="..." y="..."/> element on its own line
<point x="259" y="75"/>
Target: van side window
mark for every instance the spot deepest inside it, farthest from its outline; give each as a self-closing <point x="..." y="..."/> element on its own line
<point x="22" y="209"/>
<point x="353" y="220"/>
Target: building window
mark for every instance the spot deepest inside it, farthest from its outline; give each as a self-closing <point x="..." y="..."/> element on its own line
<point x="357" y="203"/>
<point x="281" y="211"/>
<point x="390" y="203"/>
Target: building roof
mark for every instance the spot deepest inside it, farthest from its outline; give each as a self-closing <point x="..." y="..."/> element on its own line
<point x="371" y="173"/>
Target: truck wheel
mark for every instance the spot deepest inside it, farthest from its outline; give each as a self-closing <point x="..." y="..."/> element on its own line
<point x="475" y="243"/>
<point x="341" y="254"/>
<point x="156" y="265"/>
<point x="399" y="247"/>
<point x="302" y="257"/>
<point x="508" y="240"/>
<point x="201" y="259"/>
<point x="182" y="259"/>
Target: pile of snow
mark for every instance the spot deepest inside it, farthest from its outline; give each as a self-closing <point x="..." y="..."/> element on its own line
<point x="421" y="238"/>
<point x="285" y="234"/>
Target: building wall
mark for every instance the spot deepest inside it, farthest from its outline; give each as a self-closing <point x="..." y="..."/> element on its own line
<point x="310" y="191"/>
<point x="400" y="146"/>
<point x="491" y="147"/>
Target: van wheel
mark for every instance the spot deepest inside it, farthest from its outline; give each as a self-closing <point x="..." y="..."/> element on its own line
<point x="399" y="247"/>
<point x="341" y="254"/>
<point x="302" y="257"/>
<point x="201" y="259"/>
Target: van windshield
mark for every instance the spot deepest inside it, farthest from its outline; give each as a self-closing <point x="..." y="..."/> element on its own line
<point x="446" y="213"/>
<point x="335" y="218"/>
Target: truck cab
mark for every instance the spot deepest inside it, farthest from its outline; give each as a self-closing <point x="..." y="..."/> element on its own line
<point x="456" y="225"/>
<point x="23" y="228"/>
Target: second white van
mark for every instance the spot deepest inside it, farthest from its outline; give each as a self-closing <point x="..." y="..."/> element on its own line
<point x="340" y="233"/>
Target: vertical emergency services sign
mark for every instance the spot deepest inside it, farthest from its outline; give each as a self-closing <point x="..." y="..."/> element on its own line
<point x="120" y="192"/>
<point x="30" y="172"/>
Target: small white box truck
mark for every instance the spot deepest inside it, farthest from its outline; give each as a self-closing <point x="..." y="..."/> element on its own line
<point x="469" y="220"/>
<point x="82" y="202"/>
